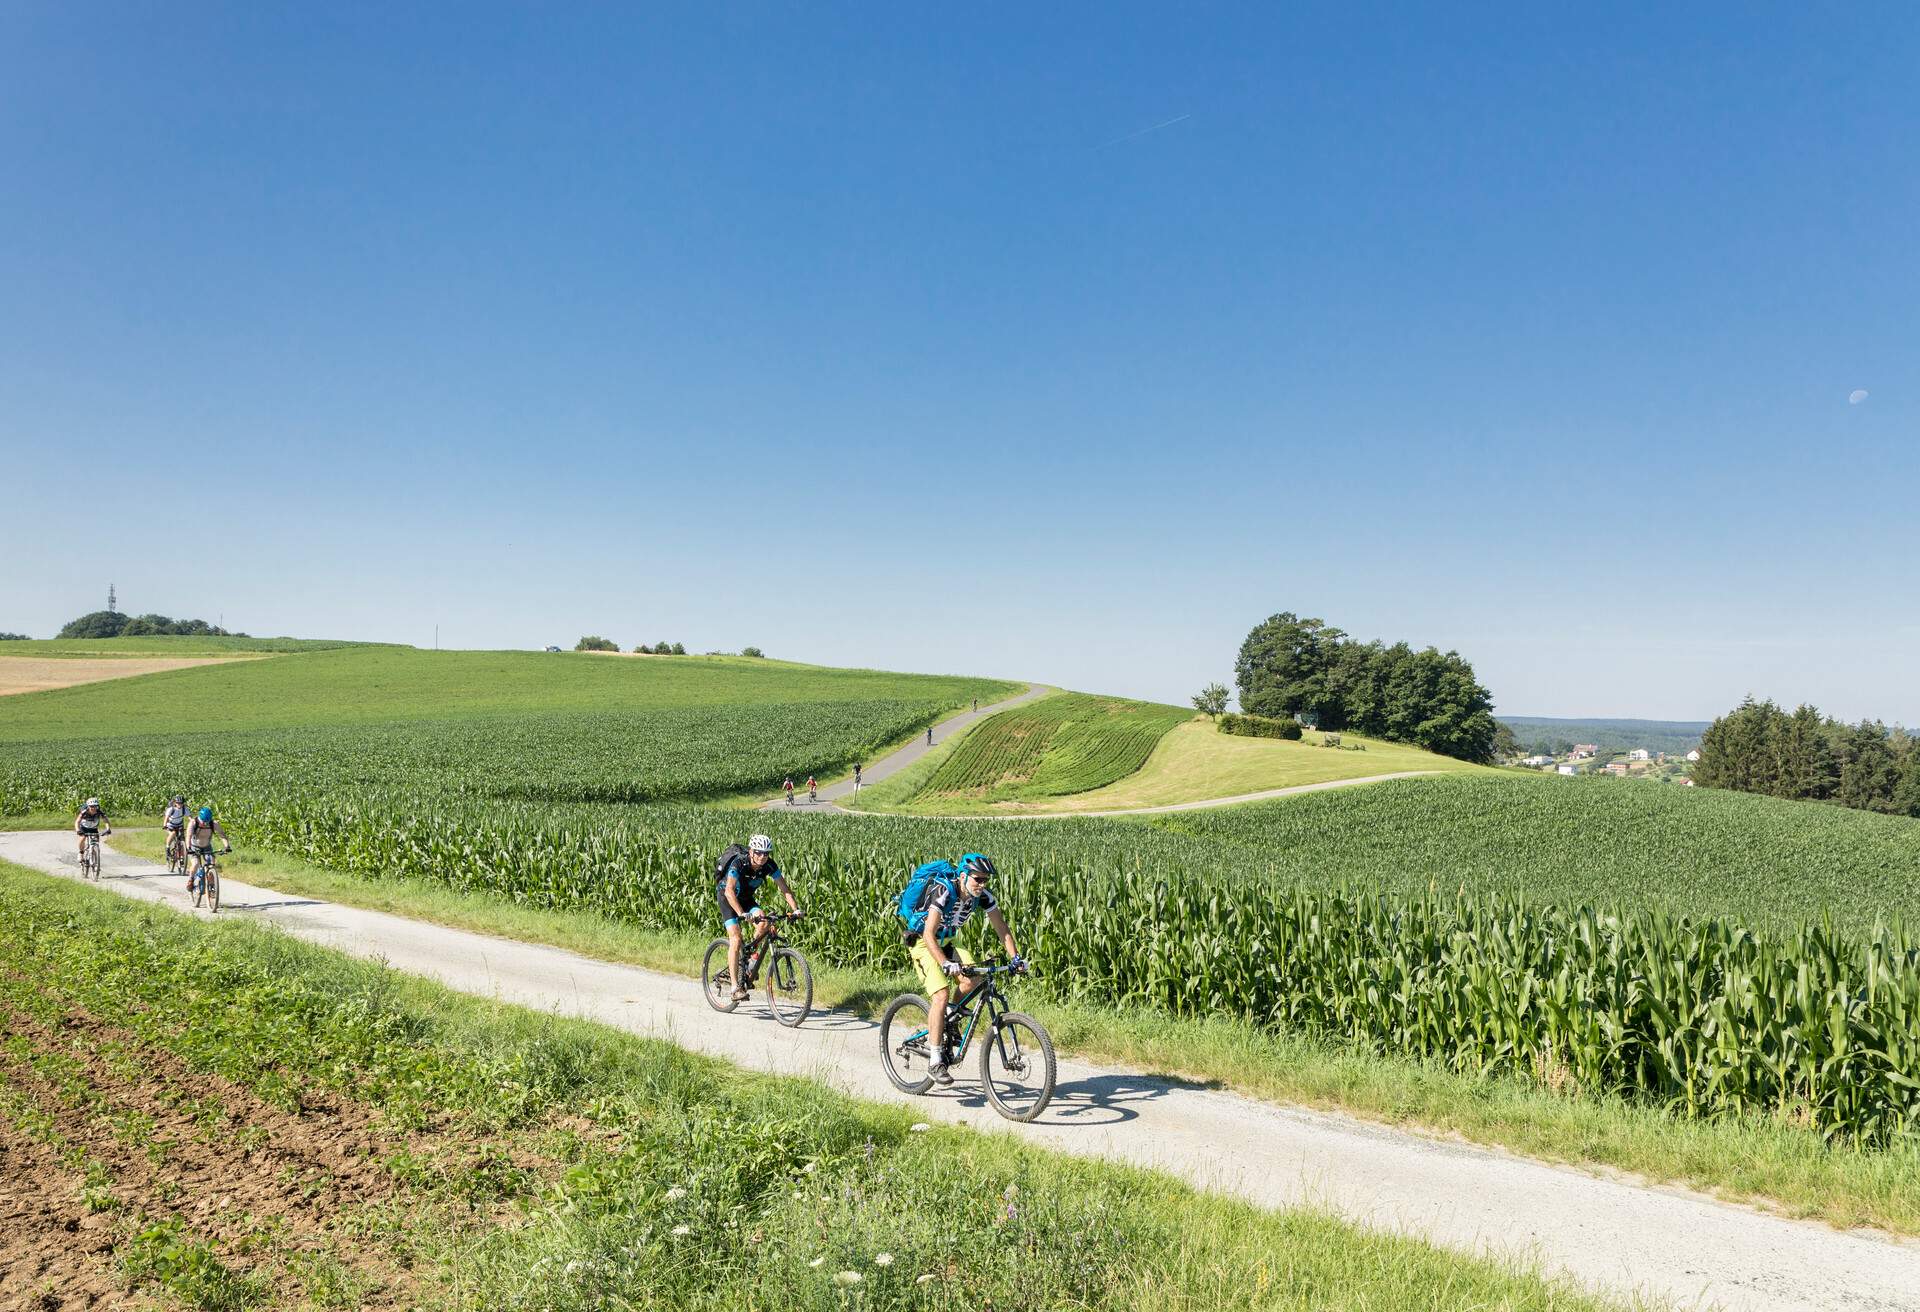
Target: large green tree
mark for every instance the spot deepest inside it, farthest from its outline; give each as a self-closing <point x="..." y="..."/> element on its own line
<point x="1283" y="664"/>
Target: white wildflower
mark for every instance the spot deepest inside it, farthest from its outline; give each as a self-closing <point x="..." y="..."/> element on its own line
<point x="796" y="1195"/>
<point x="675" y="1194"/>
<point x="844" y="1278"/>
<point x="919" y="1127"/>
<point x="818" y="1261"/>
<point x="682" y="1231"/>
<point x="883" y="1259"/>
<point x="808" y="1168"/>
<point x="923" y="1279"/>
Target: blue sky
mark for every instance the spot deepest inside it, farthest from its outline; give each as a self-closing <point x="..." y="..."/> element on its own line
<point x="1063" y="344"/>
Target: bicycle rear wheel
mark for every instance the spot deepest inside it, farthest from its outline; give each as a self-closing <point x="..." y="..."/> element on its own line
<point x="716" y="979"/>
<point x="789" y="986"/>
<point x="905" y="1049"/>
<point x="1017" y="1067"/>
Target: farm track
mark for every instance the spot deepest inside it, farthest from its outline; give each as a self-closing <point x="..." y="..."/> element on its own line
<point x="1609" y="1234"/>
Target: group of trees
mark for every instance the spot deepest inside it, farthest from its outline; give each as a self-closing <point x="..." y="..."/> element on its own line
<point x="113" y="624"/>
<point x="594" y="642"/>
<point x="661" y="649"/>
<point x="1306" y="668"/>
<point x="14" y="637"/>
<point x="1759" y="748"/>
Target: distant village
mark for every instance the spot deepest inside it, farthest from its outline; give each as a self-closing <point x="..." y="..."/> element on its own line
<point x="1585" y="758"/>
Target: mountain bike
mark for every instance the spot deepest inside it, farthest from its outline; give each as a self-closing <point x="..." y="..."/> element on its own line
<point x="176" y="853"/>
<point x="206" y="881"/>
<point x="789" y="977"/>
<point x="90" y="858"/>
<point x="1016" y="1055"/>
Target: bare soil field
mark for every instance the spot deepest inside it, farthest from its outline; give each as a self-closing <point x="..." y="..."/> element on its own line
<point x="38" y="674"/>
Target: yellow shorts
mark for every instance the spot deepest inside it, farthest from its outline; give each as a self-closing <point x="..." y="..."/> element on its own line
<point x="932" y="979"/>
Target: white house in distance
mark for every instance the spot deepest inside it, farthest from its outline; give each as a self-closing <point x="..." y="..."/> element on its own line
<point x="1537" y="760"/>
<point x="1639" y="754"/>
<point x="1568" y="769"/>
<point x="1694" y="755"/>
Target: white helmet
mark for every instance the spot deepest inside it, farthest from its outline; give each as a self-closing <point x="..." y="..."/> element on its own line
<point x="759" y="843"/>
<point x="93" y="804"/>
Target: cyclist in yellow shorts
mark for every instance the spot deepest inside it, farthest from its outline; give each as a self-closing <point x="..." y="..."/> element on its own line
<point x="938" y="959"/>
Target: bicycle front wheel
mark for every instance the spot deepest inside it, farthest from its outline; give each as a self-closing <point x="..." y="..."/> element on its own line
<point x="213" y="889"/>
<point x="1017" y="1068"/>
<point x="199" y="886"/>
<point x="716" y="979"/>
<point x="905" y="1047"/>
<point x="789" y="986"/>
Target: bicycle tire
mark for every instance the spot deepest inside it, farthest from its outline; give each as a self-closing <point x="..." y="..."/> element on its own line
<point x="904" y="1015"/>
<point x="715" y="979"/>
<point x="1036" y="1050"/>
<point x="789" y="986"/>
<point x="199" y="878"/>
<point x="93" y="860"/>
<point x="212" y="884"/>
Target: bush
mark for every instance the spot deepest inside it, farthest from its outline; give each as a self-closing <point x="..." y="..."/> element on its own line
<point x="752" y="651"/>
<point x="1260" y="726"/>
<point x="595" y="643"/>
<point x="14" y="637"/>
<point x="112" y="624"/>
<point x="679" y="650"/>
<point x="643" y="650"/>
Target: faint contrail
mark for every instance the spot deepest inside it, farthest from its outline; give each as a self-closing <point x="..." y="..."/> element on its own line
<point x="1143" y="132"/>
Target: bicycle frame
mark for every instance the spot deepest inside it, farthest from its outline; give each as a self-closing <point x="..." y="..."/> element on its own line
<point x="987" y="1000"/>
<point x="762" y="944"/>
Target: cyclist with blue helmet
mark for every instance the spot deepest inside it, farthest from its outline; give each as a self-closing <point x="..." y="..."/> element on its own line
<point x="200" y="835"/>
<point x="940" y="960"/>
<point x="738" y="893"/>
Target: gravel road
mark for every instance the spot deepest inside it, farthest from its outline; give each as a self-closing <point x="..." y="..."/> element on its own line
<point x="1664" y="1244"/>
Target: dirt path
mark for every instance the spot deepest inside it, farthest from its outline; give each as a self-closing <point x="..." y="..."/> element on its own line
<point x="1608" y="1234"/>
<point x="896" y="761"/>
<point x="37" y="674"/>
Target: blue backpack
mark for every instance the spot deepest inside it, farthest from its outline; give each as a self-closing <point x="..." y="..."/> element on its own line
<point x="912" y="907"/>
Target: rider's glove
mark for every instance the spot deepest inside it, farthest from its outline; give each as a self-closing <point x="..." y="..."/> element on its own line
<point x="756" y="913"/>
<point x="951" y="967"/>
<point x="797" y="915"/>
<point x="1018" y="964"/>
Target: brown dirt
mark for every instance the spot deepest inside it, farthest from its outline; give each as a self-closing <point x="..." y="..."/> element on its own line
<point x="36" y="674"/>
<point x="172" y="1142"/>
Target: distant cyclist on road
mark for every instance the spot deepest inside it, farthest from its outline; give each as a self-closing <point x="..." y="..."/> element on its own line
<point x="813" y="791"/>
<point x="174" y="822"/>
<point x="938" y="958"/>
<point x="738" y="893"/>
<point x="788" y="785"/>
<point x="92" y="822"/>
<point x="200" y="836"/>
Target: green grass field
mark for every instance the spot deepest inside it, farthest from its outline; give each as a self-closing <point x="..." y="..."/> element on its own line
<point x="167" y="646"/>
<point x="1059" y="745"/>
<point x="237" y="1120"/>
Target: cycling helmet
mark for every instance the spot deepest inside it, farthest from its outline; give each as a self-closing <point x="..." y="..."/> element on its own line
<point x="206" y="814"/>
<point x="93" y="804"/>
<point x="179" y="799"/>
<point x="759" y="843"/>
<point x="976" y="863"/>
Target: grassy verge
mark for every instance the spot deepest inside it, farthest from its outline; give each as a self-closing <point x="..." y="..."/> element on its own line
<point x="1756" y="1160"/>
<point x="598" y="1169"/>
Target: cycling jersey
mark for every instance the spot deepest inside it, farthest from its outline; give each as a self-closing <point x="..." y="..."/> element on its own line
<point x="955" y="908"/>
<point x="176" y="818"/>
<point x="89" y="824"/>
<point x="745" y="879"/>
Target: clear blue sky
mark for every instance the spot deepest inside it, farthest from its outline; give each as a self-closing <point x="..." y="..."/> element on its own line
<point x="1027" y="340"/>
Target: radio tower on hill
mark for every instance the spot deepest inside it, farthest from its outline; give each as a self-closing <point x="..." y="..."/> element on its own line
<point x="113" y="606"/>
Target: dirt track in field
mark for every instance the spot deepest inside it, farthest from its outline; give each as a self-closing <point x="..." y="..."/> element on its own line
<point x="37" y="674"/>
<point x="102" y="1135"/>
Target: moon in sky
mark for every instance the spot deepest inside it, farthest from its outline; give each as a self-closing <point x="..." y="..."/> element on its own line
<point x="1856" y="396"/>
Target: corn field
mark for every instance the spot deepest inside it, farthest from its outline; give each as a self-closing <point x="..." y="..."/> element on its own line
<point x="1195" y="917"/>
<point x="1059" y="745"/>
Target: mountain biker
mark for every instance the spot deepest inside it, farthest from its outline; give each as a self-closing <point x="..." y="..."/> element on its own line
<point x="89" y="823"/>
<point x="737" y="892"/>
<point x="789" y="787"/>
<point x="174" y="821"/>
<point x="813" y="790"/>
<point x="937" y="957"/>
<point x="200" y="835"/>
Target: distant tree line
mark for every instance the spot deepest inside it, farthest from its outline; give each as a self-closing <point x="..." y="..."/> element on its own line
<point x="661" y="649"/>
<point x="14" y="637"/>
<point x="1759" y="748"/>
<point x="112" y="624"/>
<point x="1290" y="666"/>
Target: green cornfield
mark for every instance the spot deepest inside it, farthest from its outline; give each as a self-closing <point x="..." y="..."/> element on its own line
<point x="1489" y="923"/>
<point x="1059" y="745"/>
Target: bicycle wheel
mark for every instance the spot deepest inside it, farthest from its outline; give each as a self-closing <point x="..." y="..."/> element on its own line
<point x="715" y="977"/>
<point x="1016" y="1067"/>
<point x="199" y="878"/>
<point x="93" y="860"/>
<point x="904" y="1047"/>
<point x="789" y="986"/>
<point x="212" y="882"/>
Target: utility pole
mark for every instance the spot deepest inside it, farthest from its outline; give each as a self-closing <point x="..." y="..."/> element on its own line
<point x="436" y="637"/>
<point x="113" y="605"/>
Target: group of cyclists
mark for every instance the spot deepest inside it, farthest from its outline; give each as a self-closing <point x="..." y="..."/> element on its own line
<point x="813" y="790"/>
<point x="190" y="833"/>
<point x="946" y="900"/>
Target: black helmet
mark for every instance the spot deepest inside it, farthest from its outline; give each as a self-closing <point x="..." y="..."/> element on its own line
<point x="977" y="863"/>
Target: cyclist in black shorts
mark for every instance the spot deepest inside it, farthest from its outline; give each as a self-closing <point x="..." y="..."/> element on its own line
<point x="738" y="892"/>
